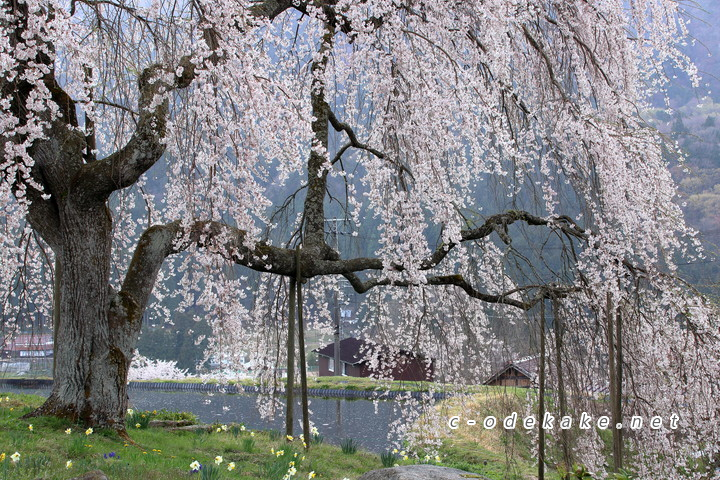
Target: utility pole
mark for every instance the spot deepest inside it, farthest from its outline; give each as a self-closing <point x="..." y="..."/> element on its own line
<point x="336" y="314"/>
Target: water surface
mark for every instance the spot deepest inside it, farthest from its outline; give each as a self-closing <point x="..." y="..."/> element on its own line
<point x="367" y="422"/>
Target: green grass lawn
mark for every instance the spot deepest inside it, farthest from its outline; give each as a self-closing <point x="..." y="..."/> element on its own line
<point x="45" y="450"/>
<point x="156" y="453"/>
<point x="364" y="383"/>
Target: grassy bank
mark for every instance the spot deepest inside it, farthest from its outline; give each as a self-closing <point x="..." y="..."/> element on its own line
<point x="46" y="448"/>
<point x="336" y="383"/>
<point x="51" y="448"/>
<point x="496" y="453"/>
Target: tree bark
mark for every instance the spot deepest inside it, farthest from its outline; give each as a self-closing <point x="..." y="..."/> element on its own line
<point x="57" y="282"/>
<point x="94" y="344"/>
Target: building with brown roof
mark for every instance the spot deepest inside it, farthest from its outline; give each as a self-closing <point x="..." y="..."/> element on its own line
<point x="520" y="373"/>
<point x="394" y="364"/>
<point x="28" y="346"/>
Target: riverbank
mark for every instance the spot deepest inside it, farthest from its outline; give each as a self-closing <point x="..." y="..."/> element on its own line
<point x="169" y="454"/>
<point x="321" y="387"/>
<point x="328" y="387"/>
<point x="56" y="449"/>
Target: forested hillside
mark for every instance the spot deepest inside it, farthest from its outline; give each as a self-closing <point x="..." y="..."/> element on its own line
<point x="693" y="122"/>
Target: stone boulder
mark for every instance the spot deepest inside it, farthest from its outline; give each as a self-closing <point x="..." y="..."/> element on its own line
<point x="420" y="472"/>
<point x="192" y="428"/>
<point x="94" y="475"/>
<point x="170" y="423"/>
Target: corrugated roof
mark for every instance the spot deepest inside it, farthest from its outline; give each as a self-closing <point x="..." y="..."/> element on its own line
<point x="30" y="342"/>
<point x="528" y="366"/>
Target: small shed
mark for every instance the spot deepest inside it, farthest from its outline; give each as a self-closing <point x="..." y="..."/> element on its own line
<point x="403" y="365"/>
<point x="519" y="373"/>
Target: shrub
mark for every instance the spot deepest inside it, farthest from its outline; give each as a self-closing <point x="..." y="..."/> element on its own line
<point x="210" y="472"/>
<point x="138" y="419"/>
<point x="248" y="444"/>
<point x="175" y="416"/>
<point x="348" y="446"/>
<point x="388" y="459"/>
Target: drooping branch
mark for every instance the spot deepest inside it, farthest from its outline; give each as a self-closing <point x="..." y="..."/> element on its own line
<point x="537" y="45"/>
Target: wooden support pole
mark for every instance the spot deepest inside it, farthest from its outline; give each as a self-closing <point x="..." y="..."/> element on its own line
<point x="303" y="364"/>
<point x="290" y="382"/>
<point x="617" y="401"/>
<point x="562" y="399"/>
<point x="614" y="337"/>
<point x="541" y="394"/>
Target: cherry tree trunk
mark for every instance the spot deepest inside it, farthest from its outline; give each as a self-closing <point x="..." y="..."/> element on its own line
<point x="95" y="340"/>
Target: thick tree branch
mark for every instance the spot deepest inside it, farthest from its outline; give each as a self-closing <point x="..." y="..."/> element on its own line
<point x="314" y="207"/>
<point x="354" y="142"/>
<point x="344" y="127"/>
<point x="56" y="159"/>
<point x="272" y="8"/>
<point x="499" y="223"/>
<point x="331" y="264"/>
<point x="496" y="223"/>
<point x="145" y="147"/>
<point x="542" y="291"/>
<point x="55" y="155"/>
<point x="160" y="241"/>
